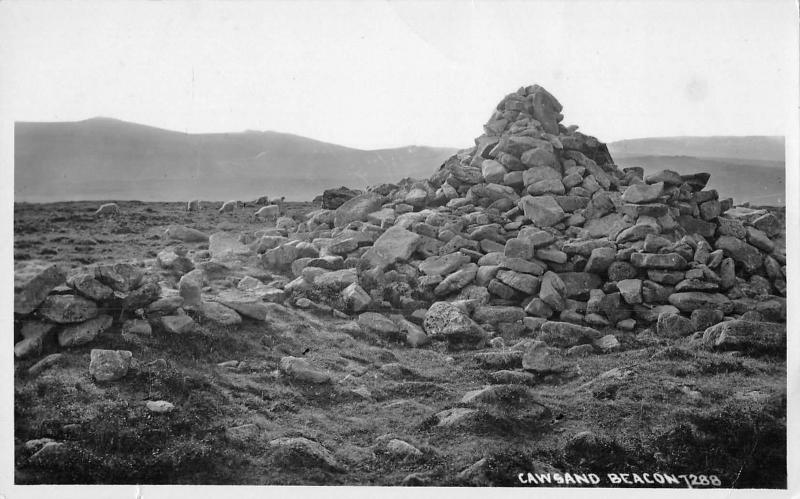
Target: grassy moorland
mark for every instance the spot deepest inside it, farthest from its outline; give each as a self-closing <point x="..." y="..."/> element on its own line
<point x="655" y="405"/>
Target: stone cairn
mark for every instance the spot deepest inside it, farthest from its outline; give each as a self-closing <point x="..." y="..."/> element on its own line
<point x="533" y="233"/>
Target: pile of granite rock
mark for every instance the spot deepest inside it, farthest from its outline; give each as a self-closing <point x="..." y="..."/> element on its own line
<point x="531" y="233"/>
<point x="535" y="231"/>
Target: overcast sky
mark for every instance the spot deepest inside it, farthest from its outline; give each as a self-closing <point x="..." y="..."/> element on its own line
<point x="374" y="74"/>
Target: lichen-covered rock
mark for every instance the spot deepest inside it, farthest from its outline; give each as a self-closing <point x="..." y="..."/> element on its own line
<point x="663" y="261"/>
<point x="355" y="298"/>
<point x="741" y="252"/>
<point x="671" y="325"/>
<point x="67" y="309"/>
<point x="142" y="296"/>
<point x="541" y="359"/>
<point x="86" y="285"/>
<point x="109" y="365"/>
<point x="747" y="336"/>
<point x="443" y="320"/>
<point x="122" y="277"/>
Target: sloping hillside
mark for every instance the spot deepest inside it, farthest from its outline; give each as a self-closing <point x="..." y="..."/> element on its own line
<point x="103" y="158"/>
<point x="770" y="148"/>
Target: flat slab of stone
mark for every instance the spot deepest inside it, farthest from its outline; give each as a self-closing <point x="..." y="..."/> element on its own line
<point x="220" y="314"/>
<point x="691" y="300"/>
<point x="643" y="193"/>
<point x="185" y="234"/>
<point x="543" y="211"/>
<point x="663" y="261"/>
<point x="245" y="303"/>
<point x="357" y="209"/>
<point x="33" y="281"/>
<point x="395" y="245"/>
<point x="67" y="309"/>
<point x="85" y="332"/>
<point x="86" y="285"/>
<point x="444" y="264"/>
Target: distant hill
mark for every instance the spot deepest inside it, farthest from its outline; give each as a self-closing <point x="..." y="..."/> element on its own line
<point x="769" y="148"/>
<point x="103" y="158"/>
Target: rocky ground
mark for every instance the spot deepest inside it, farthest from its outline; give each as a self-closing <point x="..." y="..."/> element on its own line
<point x="528" y="309"/>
